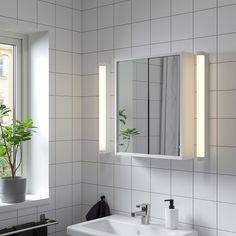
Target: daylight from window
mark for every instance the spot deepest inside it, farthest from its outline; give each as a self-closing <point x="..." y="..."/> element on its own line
<point x="6" y="91"/>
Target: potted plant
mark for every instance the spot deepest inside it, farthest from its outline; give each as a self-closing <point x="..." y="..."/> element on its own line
<point x="13" y="187"/>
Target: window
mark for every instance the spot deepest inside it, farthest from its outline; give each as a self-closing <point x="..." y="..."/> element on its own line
<point x="10" y="83"/>
<point x="28" y="89"/>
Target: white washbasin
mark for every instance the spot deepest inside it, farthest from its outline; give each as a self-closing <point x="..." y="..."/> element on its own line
<point x="117" y="225"/>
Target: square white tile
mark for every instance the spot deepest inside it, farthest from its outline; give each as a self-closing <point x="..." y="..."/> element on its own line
<point x="89" y="20"/>
<point x="9" y="8"/>
<point x="64" y="196"/>
<point x="64" y="107"/>
<point x="122" y="36"/>
<point x="141" y="178"/>
<point x="90" y="85"/>
<point x="227" y="132"/>
<point x="64" y="218"/>
<point x="226" y="189"/>
<point x="89" y="174"/>
<point x="122" y="200"/>
<point x="63" y="62"/>
<point x="63" y="151"/>
<point x="105" y="39"/>
<point x="90" y="129"/>
<point x="226" y="75"/>
<point x="205" y="186"/>
<point x="160" y="30"/>
<point x="64" y="17"/>
<point x="122" y="13"/>
<point x="64" y="129"/>
<point x="226" y="47"/>
<point x="182" y="183"/>
<point x="89" y="194"/>
<point x="105" y="174"/>
<point x="140" y="10"/>
<point x="90" y="63"/>
<point x="226" y="217"/>
<point x="77" y="4"/>
<point x="141" y="33"/>
<point x="46" y="13"/>
<point x="89" y="40"/>
<point x="181" y="6"/>
<point x="157" y="11"/>
<point x="90" y="107"/>
<point x="63" y="40"/>
<point x="182" y="27"/>
<point x="86" y="4"/>
<point x="202" y="4"/>
<point x="122" y="176"/>
<point x="27" y="10"/>
<point x="205" y="23"/>
<point x="227" y="160"/>
<point x="226" y="17"/>
<point x="205" y="213"/>
<point x="226" y="97"/>
<point x="66" y="3"/>
<point x="63" y="174"/>
<point x="160" y="181"/>
<point x="105" y="16"/>
<point x="63" y="85"/>
<point x="90" y="150"/>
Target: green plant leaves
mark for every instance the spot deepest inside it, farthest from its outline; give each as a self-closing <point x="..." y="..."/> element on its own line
<point x="12" y="136"/>
<point x="128" y="133"/>
<point x="122" y="116"/>
<point x="4" y="111"/>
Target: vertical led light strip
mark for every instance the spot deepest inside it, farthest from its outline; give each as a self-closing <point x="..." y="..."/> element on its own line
<point x="102" y="109"/>
<point x="202" y="105"/>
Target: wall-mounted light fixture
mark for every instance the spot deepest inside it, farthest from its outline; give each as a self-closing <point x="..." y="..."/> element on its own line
<point x="103" y="109"/>
<point x="202" y="105"/>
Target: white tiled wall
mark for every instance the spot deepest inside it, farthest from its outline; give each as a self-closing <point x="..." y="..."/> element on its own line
<point x="63" y="20"/>
<point x="204" y="190"/>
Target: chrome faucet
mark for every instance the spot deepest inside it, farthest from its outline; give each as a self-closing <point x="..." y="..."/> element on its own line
<point x="144" y="213"/>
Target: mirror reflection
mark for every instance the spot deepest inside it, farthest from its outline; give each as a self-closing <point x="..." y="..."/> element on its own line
<point x="148" y="105"/>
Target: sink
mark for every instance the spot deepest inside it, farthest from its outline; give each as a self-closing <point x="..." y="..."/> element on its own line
<point x="117" y="225"/>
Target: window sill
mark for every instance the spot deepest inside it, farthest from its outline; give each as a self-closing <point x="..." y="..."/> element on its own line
<point x="31" y="200"/>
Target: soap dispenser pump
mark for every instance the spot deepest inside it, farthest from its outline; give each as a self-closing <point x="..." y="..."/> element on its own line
<point x="171" y="215"/>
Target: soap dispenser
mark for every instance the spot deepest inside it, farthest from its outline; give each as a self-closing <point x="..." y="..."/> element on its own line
<point x="171" y="215"/>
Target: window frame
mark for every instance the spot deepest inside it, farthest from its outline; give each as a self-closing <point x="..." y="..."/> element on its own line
<point x="35" y="47"/>
<point x="19" y="43"/>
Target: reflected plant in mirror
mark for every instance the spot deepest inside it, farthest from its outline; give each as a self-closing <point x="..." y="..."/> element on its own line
<point x="126" y="134"/>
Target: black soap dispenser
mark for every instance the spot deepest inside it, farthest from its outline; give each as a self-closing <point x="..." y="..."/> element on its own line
<point x="171" y="215"/>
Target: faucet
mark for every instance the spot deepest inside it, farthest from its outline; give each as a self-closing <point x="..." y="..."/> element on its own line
<point x="144" y="213"/>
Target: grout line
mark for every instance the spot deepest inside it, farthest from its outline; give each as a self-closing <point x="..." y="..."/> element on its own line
<point x="55" y="58"/>
<point x="98" y="118"/>
<point x="193" y="167"/>
<point x="72" y="127"/>
<point x="217" y="114"/>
